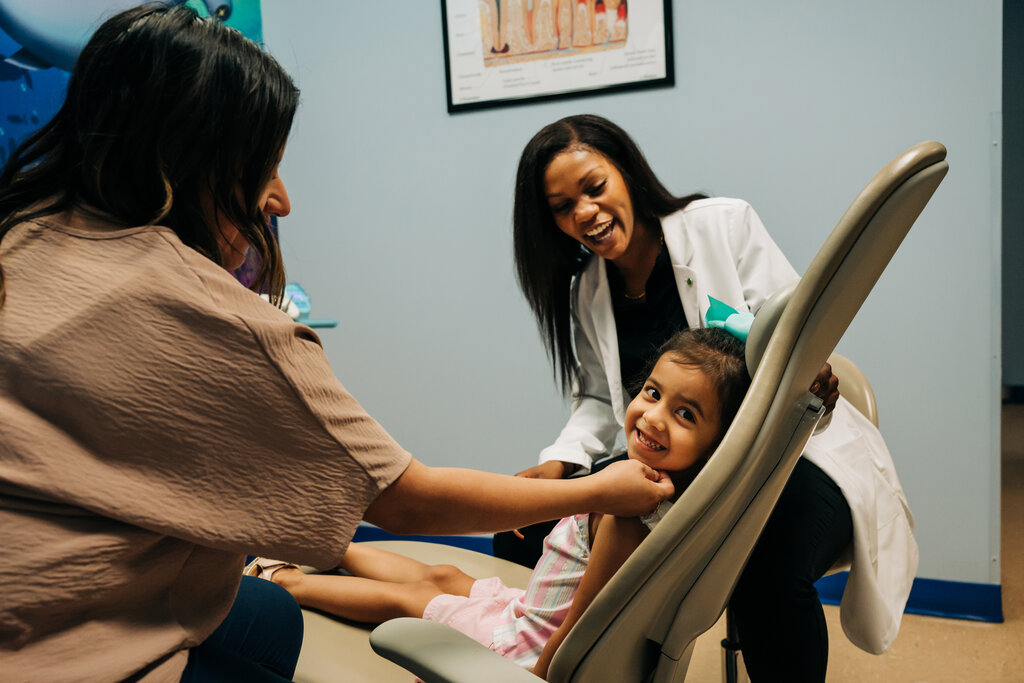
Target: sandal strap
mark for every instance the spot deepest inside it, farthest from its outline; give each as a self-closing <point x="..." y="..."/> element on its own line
<point x="264" y="567"/>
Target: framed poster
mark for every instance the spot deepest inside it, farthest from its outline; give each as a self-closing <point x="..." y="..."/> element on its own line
<point x="500" y="52"/>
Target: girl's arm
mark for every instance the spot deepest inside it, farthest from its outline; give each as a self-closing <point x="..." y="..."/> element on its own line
<point x="615" y="539"/>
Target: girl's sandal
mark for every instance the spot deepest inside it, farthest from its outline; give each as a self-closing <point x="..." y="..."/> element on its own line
<point x="264" y="568"/>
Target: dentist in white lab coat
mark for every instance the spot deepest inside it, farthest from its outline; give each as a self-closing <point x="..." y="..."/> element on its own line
<point x="610" y="262"/>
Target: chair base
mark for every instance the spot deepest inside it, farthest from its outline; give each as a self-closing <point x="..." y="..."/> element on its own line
<point x="733" y="670"/>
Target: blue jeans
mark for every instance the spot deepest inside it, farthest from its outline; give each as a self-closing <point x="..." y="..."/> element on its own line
<point x="259" y="640"/>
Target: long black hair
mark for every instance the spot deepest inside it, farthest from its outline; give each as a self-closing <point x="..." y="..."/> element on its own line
<point x="546" y="258"/>
<point x="163" y="107"/>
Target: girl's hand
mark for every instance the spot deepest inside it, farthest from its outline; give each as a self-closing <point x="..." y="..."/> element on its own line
<point x="630" y="488"/>
<point x="552" y="469"/>
<point x="826" y="387"/>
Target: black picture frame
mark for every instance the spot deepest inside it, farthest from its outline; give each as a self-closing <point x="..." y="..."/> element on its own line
<point x="480" y="74"/>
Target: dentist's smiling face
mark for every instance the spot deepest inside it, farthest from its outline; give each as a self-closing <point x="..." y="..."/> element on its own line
<point x="675" y="420"/>
<point x="590" y="202"/>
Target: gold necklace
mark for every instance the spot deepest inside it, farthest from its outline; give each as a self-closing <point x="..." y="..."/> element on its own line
<point x="643" y="295"/>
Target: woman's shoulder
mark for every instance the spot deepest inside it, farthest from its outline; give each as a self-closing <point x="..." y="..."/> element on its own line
<point x="714" y="205"/>
<point x="714" y="214"/>
<point x="145" y="264"/>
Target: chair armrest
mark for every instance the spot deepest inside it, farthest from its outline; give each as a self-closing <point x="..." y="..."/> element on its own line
<point x="440" y="654"/>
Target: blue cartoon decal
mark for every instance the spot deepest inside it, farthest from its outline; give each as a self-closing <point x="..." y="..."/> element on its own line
<point x="40" y="40"/>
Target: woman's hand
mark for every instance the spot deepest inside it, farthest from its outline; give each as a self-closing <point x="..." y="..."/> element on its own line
<point x="631" y="488"/>
<point x="826" y="387"/>
<point x="552" y="469"/>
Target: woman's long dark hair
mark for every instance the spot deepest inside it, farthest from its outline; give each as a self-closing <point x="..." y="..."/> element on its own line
<point x="546" y="258"/>
<point x="162" y="107"/>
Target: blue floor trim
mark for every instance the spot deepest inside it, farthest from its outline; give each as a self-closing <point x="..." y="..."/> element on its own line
<point x="935" y="598"/>
<point x="481" y="544"/>
<point x="931" y="597"/>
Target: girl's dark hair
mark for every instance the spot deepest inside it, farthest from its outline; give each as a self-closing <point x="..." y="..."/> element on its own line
<point x="546" y="258"/>
<point x="163" y="107"/>
<point x="720" y="356"/>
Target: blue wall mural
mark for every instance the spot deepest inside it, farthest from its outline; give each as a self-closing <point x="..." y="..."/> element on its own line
<point x="39" y="42"/>
<point x="40" y="39"/>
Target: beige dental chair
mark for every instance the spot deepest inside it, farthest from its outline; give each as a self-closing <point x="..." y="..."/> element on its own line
<point x="642" y="625"/>
<point x="856" y="389"/>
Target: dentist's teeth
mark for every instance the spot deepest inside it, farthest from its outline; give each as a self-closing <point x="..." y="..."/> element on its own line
<point x="599" y="229"/>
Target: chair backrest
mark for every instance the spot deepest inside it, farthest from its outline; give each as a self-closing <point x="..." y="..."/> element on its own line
<point x="854" y="386"/>
<point x="641" y="627"/>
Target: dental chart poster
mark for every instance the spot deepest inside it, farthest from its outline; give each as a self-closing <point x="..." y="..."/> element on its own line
<point x="510" y="51"/>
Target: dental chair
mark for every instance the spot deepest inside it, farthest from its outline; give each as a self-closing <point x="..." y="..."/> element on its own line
<point x="676" y="585"/>
<point x="856" y="389"/>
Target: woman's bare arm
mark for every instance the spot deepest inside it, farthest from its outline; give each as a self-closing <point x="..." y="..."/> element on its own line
<point x="615" y="539"/>
<point x="442" y="500"/>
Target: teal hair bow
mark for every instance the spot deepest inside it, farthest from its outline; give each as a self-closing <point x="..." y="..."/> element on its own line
<point x="725" y="317"/>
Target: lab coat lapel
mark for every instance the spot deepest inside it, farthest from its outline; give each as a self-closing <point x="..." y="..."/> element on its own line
<point x="692" y="294"/>
<point x="692" y="290"/>
<point x="608" y="339"/>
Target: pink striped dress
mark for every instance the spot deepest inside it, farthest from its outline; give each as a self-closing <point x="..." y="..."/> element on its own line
<point x="517" y="623"/>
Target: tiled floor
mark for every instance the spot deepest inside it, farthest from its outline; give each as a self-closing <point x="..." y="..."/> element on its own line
<point x="930" y="649"/>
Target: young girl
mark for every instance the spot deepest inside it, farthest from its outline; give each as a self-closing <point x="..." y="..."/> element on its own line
<point x="674" y="423"/>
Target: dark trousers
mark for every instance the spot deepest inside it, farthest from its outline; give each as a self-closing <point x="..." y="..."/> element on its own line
<point x="259" y="640"/>
<point x="775" y="606"/>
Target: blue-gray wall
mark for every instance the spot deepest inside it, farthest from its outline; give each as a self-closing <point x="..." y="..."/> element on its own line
<point x="401" y="219"/>
<point x="1013" y="196"/>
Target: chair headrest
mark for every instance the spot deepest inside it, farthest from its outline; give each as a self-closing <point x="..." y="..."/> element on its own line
<point x="764" y="324"/>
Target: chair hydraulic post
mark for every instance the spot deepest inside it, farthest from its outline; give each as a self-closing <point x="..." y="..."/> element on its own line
<point x="733" y="670"/>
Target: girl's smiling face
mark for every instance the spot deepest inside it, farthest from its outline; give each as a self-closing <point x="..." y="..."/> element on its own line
<point x="675" y="420"/>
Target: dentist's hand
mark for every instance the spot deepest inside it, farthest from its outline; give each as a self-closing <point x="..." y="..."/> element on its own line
<point x="552" y="469"/>
<point x="826" y="387"/>
<point x="630" y="488"/>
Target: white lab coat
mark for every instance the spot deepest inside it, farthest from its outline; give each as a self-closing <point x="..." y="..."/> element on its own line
<point x="719" y="246"/>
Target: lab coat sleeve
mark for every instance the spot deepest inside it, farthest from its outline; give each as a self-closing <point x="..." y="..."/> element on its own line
<point x="592" y="427"/>
<point x="761" y="266"/>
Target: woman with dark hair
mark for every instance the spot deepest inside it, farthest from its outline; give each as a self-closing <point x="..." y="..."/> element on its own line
<point x="160" y="421"/>
<point x="613" y="264"/>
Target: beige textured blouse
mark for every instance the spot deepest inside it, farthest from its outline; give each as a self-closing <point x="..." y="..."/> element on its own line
<point x="158" y="421"/>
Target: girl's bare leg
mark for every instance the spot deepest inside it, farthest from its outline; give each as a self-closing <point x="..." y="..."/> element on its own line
<point x="356" y="598"/>
<point x="385" y="585"/>
<point x="373" y="563"/>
